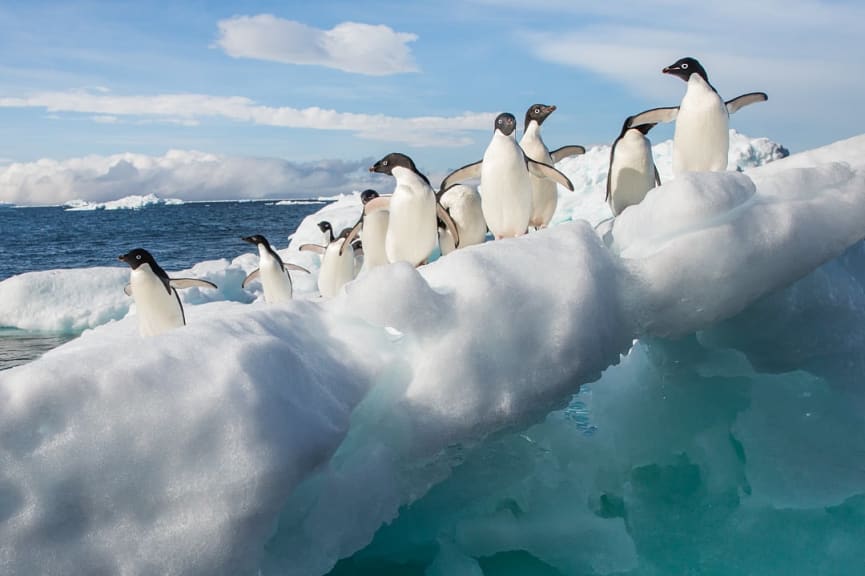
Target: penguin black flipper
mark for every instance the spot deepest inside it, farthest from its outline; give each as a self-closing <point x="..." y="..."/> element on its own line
<point x="312" y="248"/>
<point x="250" y="278"/>
<point x="542" y="170"/>
<point x="566" y="151"/>
<point x="355" y="230"/>
<point x="744" y="100"/>
<point x="127" y="289"/>
<point x="190" y="282"/>
<point x="445" y="217"/>
<point x="653" y="116"/>
<point x="657" y="176"/>
<point x="467" y="172"/>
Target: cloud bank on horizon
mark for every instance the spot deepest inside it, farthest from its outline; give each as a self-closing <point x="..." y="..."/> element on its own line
<point x="183" y="174"/>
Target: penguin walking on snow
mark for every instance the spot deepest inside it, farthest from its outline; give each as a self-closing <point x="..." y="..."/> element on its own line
<point x="337" y="260"/>
<point x="412" y="230"/>
<point x="156" y="300"/>
<point x="272" y="271"/>
<point x="632" y="172"/>
<point x="701" y="140"/>
<point x="545" y="194"/>
<point x="506" y="190"/>
<point x="372" y="226"/>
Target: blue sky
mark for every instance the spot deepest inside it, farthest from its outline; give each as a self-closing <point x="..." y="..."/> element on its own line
<point x="308" y="81"/>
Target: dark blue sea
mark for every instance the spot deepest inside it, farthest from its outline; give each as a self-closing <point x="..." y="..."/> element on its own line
<point x="178" y="235"/>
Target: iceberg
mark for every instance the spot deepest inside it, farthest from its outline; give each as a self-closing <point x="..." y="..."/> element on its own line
<point x="132" y="202"/>
<point x="546" y="400"/>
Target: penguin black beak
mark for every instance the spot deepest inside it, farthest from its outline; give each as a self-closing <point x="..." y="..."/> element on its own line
<point x="122" y="257"/>
<point x="667" y="70"/>
<point x="248" y="239"/>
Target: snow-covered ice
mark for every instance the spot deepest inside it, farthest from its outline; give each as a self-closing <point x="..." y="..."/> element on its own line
<point x="279" y="439"/>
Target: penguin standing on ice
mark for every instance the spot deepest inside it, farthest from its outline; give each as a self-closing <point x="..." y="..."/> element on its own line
<point x="701" y="140"/>
<point x="155" y="294"/>
<point x="545" y="194"/>
<point x="463" y="203"/>
<point x="632" y="172"/>
<point x="272" y="271"/>
<point x="412" y="230"/>
<point x="337" y="260"/>
<point x="372" y="226"/>
<point x="506" y="190"/>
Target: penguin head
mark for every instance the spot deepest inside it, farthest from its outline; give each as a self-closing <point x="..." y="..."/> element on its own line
<point x="505" y="123"/>
<point x="538" y="113"/>
<point x="256" y="239"/>
<point x="368" y="195"/>
<point x="642" y="128"/>
<point x="325" y="227"/>
<point x="391" y="161"/>
<point x="137" y="257"/>
<point x="684" y="67"/>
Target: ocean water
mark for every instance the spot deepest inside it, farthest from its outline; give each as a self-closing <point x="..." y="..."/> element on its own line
<point x="178" y="235"/>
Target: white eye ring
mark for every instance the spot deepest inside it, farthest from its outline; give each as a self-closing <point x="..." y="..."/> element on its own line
<point x="138" y="257"/>
<point x="384" y="163"/>
<point x="685" y="66"/>
<point x="537" y="110"/>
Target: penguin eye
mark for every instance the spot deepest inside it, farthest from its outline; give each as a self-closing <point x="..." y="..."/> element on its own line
<point x="537" y="110"/>
<point x="138" y="257"/>
<point x="384" y="162"/>
<point x="685" y="66"/>
<point x="499" y="121"/>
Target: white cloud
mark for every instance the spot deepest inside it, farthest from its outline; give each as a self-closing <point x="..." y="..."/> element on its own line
<point x="350" y="46"/>
<point x="185" y="174"/>
<point x="105" y="119"/>
<point x="802" y="52"/>
<point x="187" y="109"/>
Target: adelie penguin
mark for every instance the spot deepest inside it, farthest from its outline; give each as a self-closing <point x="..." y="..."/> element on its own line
<point x="372" y="226"/>
<point x="545" y="194"/>
<point x="701" y="140"/>
<point x="156" y="300"/>
<point x="272" y="271"/>
<point x="337" y="260"/>
<point x="506" y="189"/>
<point x="463" y="204"/>
<point x="412" y="230"/>
<point x="632" y="172"/>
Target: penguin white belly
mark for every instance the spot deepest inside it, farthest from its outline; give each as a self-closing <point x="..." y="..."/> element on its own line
<point x="463" y="203"/>
<point x="702" y="137"/>
<point x="158" y="309"/>
<point x="632" y="174"/>
<point x="545" y="193"/>
<point x="412" y="230"/>
<point x="336" y="270"/>
<point x="506" y="190"/>
<point x="373" y="237"/>
<point x="274" y="280"/>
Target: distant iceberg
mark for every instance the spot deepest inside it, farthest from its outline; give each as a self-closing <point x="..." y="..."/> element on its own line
<point x="133" y="202"/>
<point x="277" y="440"/>
<point x="303" y="202"/>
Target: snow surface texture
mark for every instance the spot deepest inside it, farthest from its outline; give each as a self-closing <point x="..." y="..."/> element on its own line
<point x="279" y="439"/>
